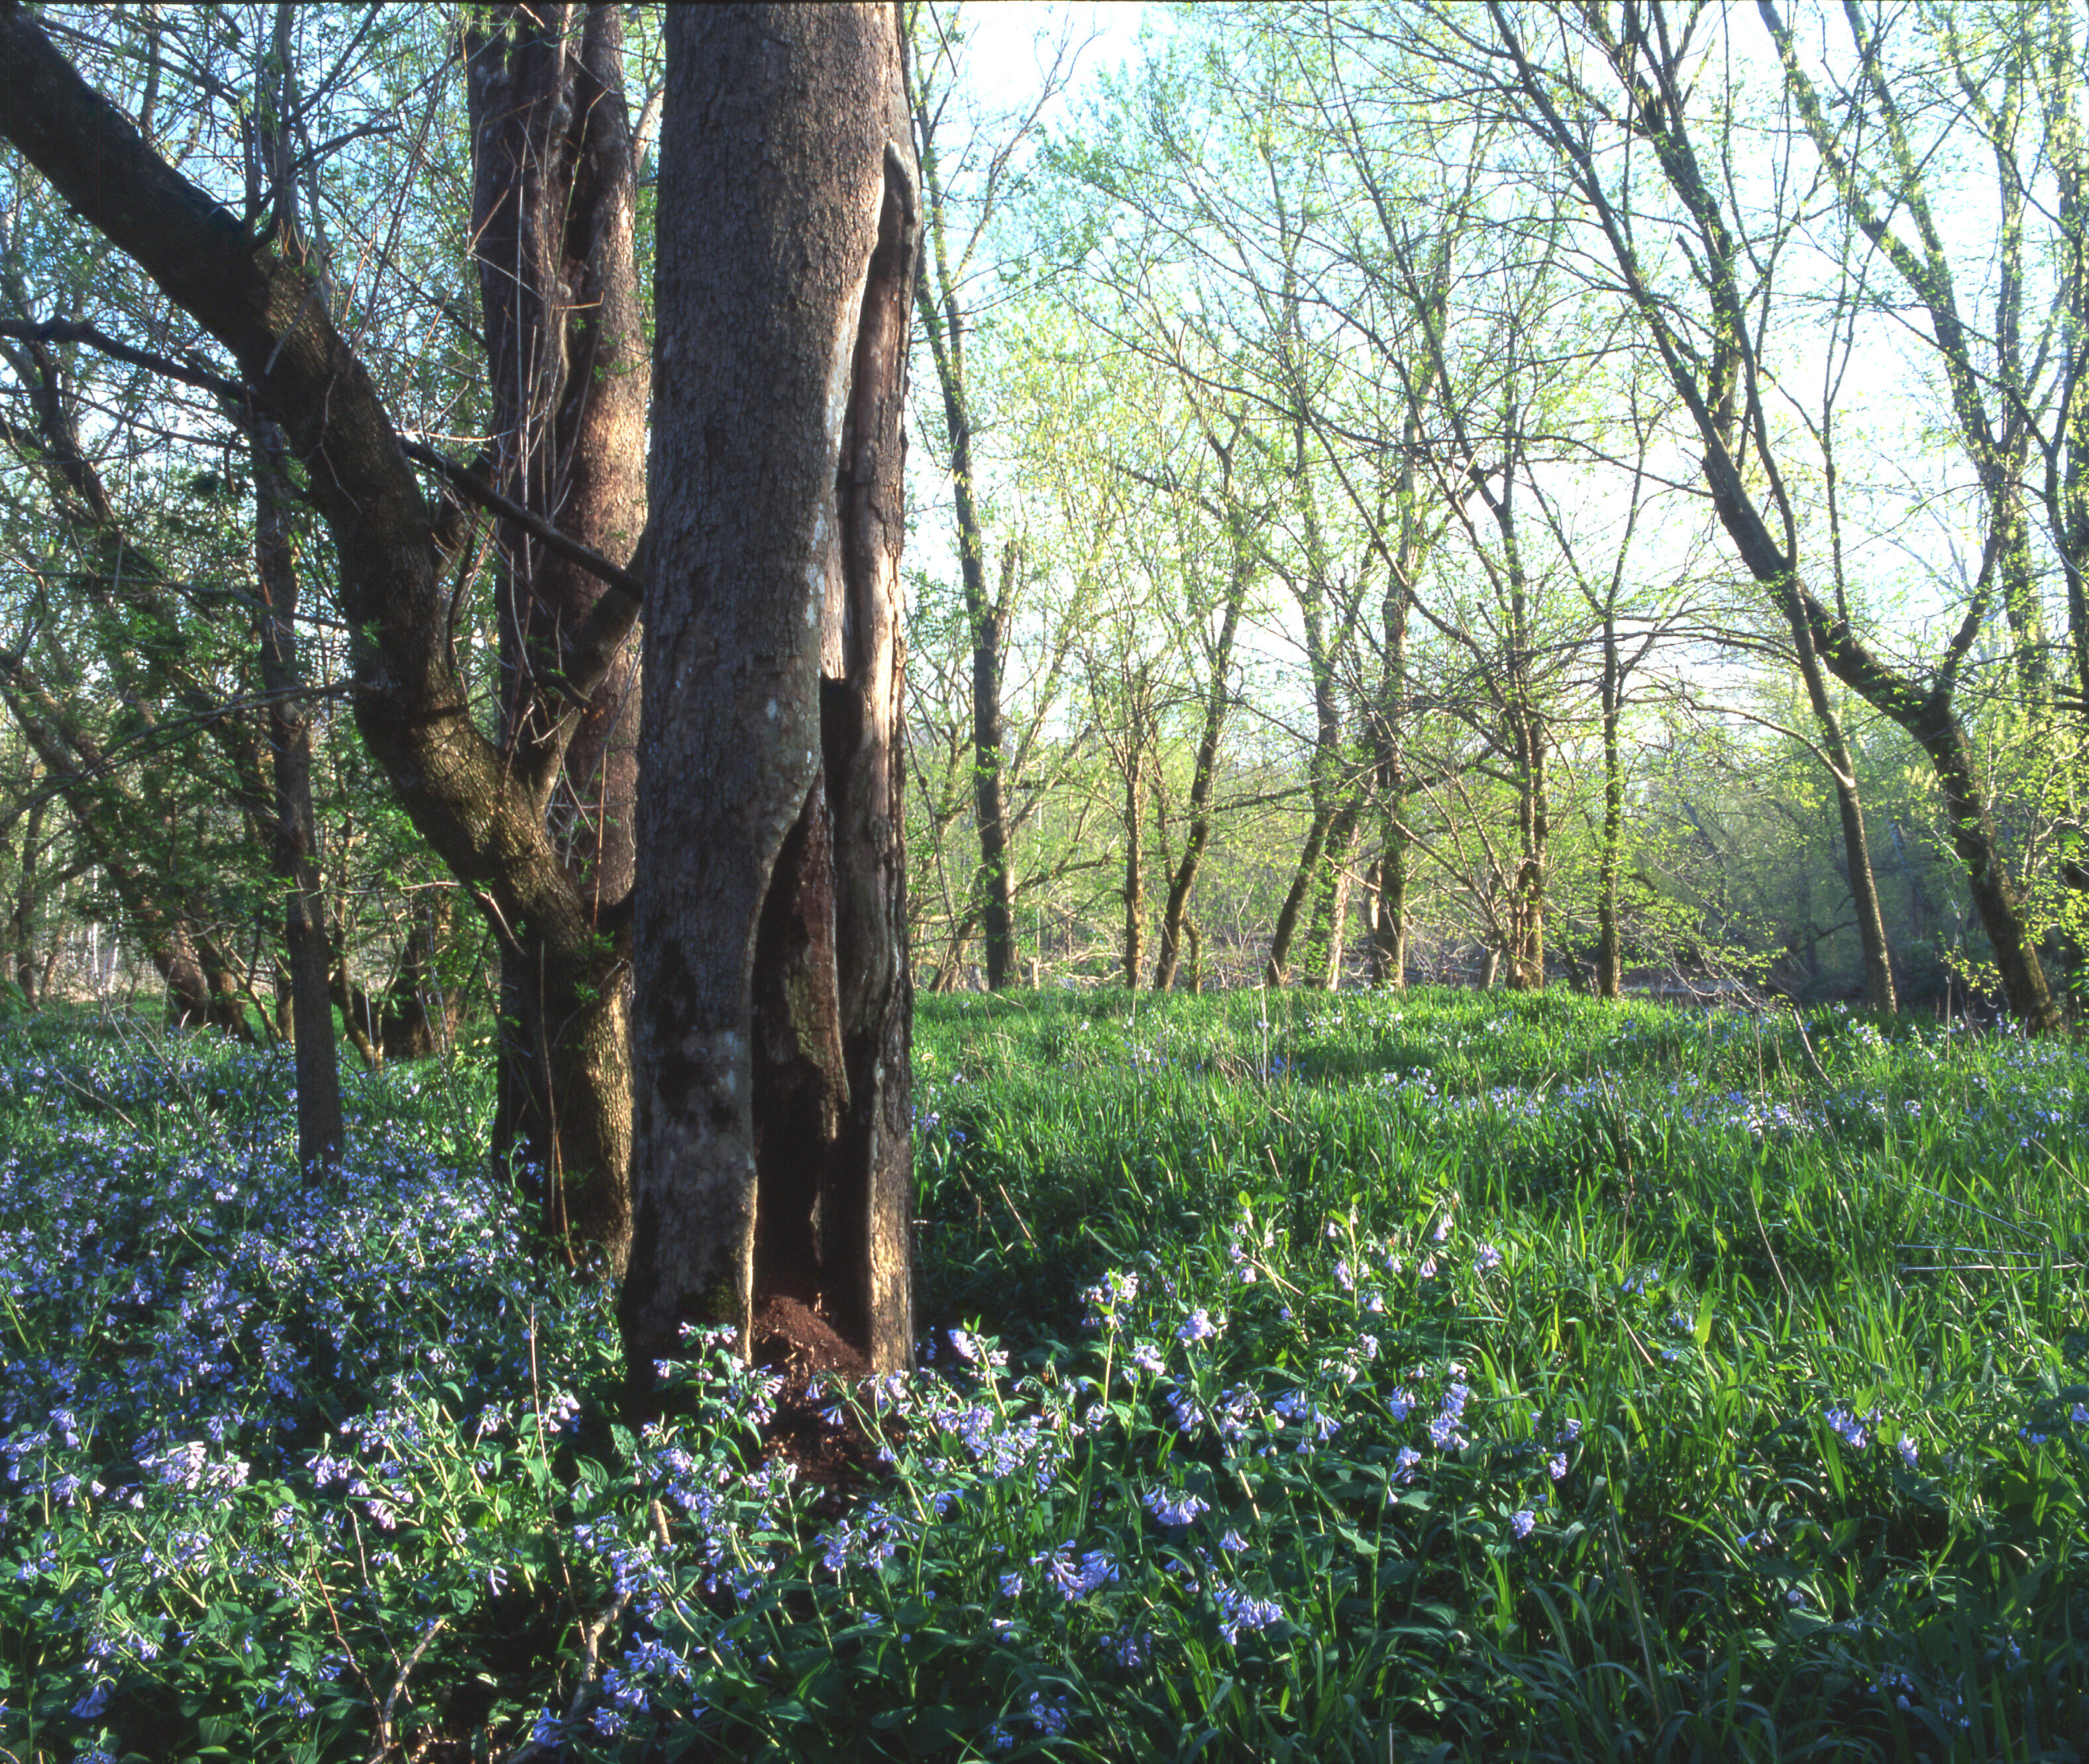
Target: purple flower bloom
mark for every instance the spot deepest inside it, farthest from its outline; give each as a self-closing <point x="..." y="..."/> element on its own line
<point x="1848" y="1427"/>
<point x="1175" y="1509"/>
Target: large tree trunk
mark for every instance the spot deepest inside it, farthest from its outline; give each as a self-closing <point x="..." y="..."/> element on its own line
<point x="771" y="1165"/>
<point x="1386" y="883"/>
<point x="566" y="357"/>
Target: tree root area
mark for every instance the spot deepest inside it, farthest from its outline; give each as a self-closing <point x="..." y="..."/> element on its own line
<point x="792" y="1339"/>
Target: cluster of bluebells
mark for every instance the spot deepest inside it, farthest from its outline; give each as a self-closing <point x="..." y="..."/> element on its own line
<point x="205" y="1294"/>
<point x="1858" y="1431"/>
<point x="2017" y="1111"/>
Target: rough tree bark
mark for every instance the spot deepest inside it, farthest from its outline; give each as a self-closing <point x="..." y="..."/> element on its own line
<point x="771" y="1171"/>
<point x="551" y="226"/>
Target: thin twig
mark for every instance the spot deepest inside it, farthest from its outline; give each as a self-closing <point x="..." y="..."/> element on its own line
<point x="398" y="1685"/>
<point x="1812" y="1059"/>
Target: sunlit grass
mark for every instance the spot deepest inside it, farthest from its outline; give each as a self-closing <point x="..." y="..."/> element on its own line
<point x="1479" y="1375"/>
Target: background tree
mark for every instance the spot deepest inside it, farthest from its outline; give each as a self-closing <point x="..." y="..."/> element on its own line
<point x="963" y="182"/>
<point x="1711" y="348"/>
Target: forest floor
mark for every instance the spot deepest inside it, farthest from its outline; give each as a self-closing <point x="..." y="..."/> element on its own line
<point x="1305" y="1375"/>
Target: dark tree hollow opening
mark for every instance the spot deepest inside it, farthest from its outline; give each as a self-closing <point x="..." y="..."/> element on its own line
<point x="808" y="1164"/>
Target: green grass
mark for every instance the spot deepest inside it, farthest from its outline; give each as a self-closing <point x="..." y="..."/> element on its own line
<point x="1455" y="1375"/>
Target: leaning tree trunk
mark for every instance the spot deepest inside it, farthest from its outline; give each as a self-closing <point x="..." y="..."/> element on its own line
<point x="1277" y="966"/>
<point x="771" y="1172"/>
<point x="1879" y="994"/>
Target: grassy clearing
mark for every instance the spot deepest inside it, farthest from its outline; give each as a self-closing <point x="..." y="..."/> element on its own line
<point x="1513" y="1377"/>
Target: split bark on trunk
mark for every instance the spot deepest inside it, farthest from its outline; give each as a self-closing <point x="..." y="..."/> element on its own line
<point x="552" y="194"/>
<point x="772" y="1162"/>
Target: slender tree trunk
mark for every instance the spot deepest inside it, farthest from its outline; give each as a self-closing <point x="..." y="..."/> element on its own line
<point x="1277" y="966"/>
<point x="1386" y="880"/>
<point x="989" y="777"/>
<point x="772" y="1173"/>
<point x="1879" y="994"/>
<point x="944" y="321"/>
<point x="1324" y="764"/>
<point x="1610" y="954"/>
<point x="307" y="952"/>
<point x="21" y="922"/>
<point x="1133" y="889"/>
<point x="1204" y="774"/>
